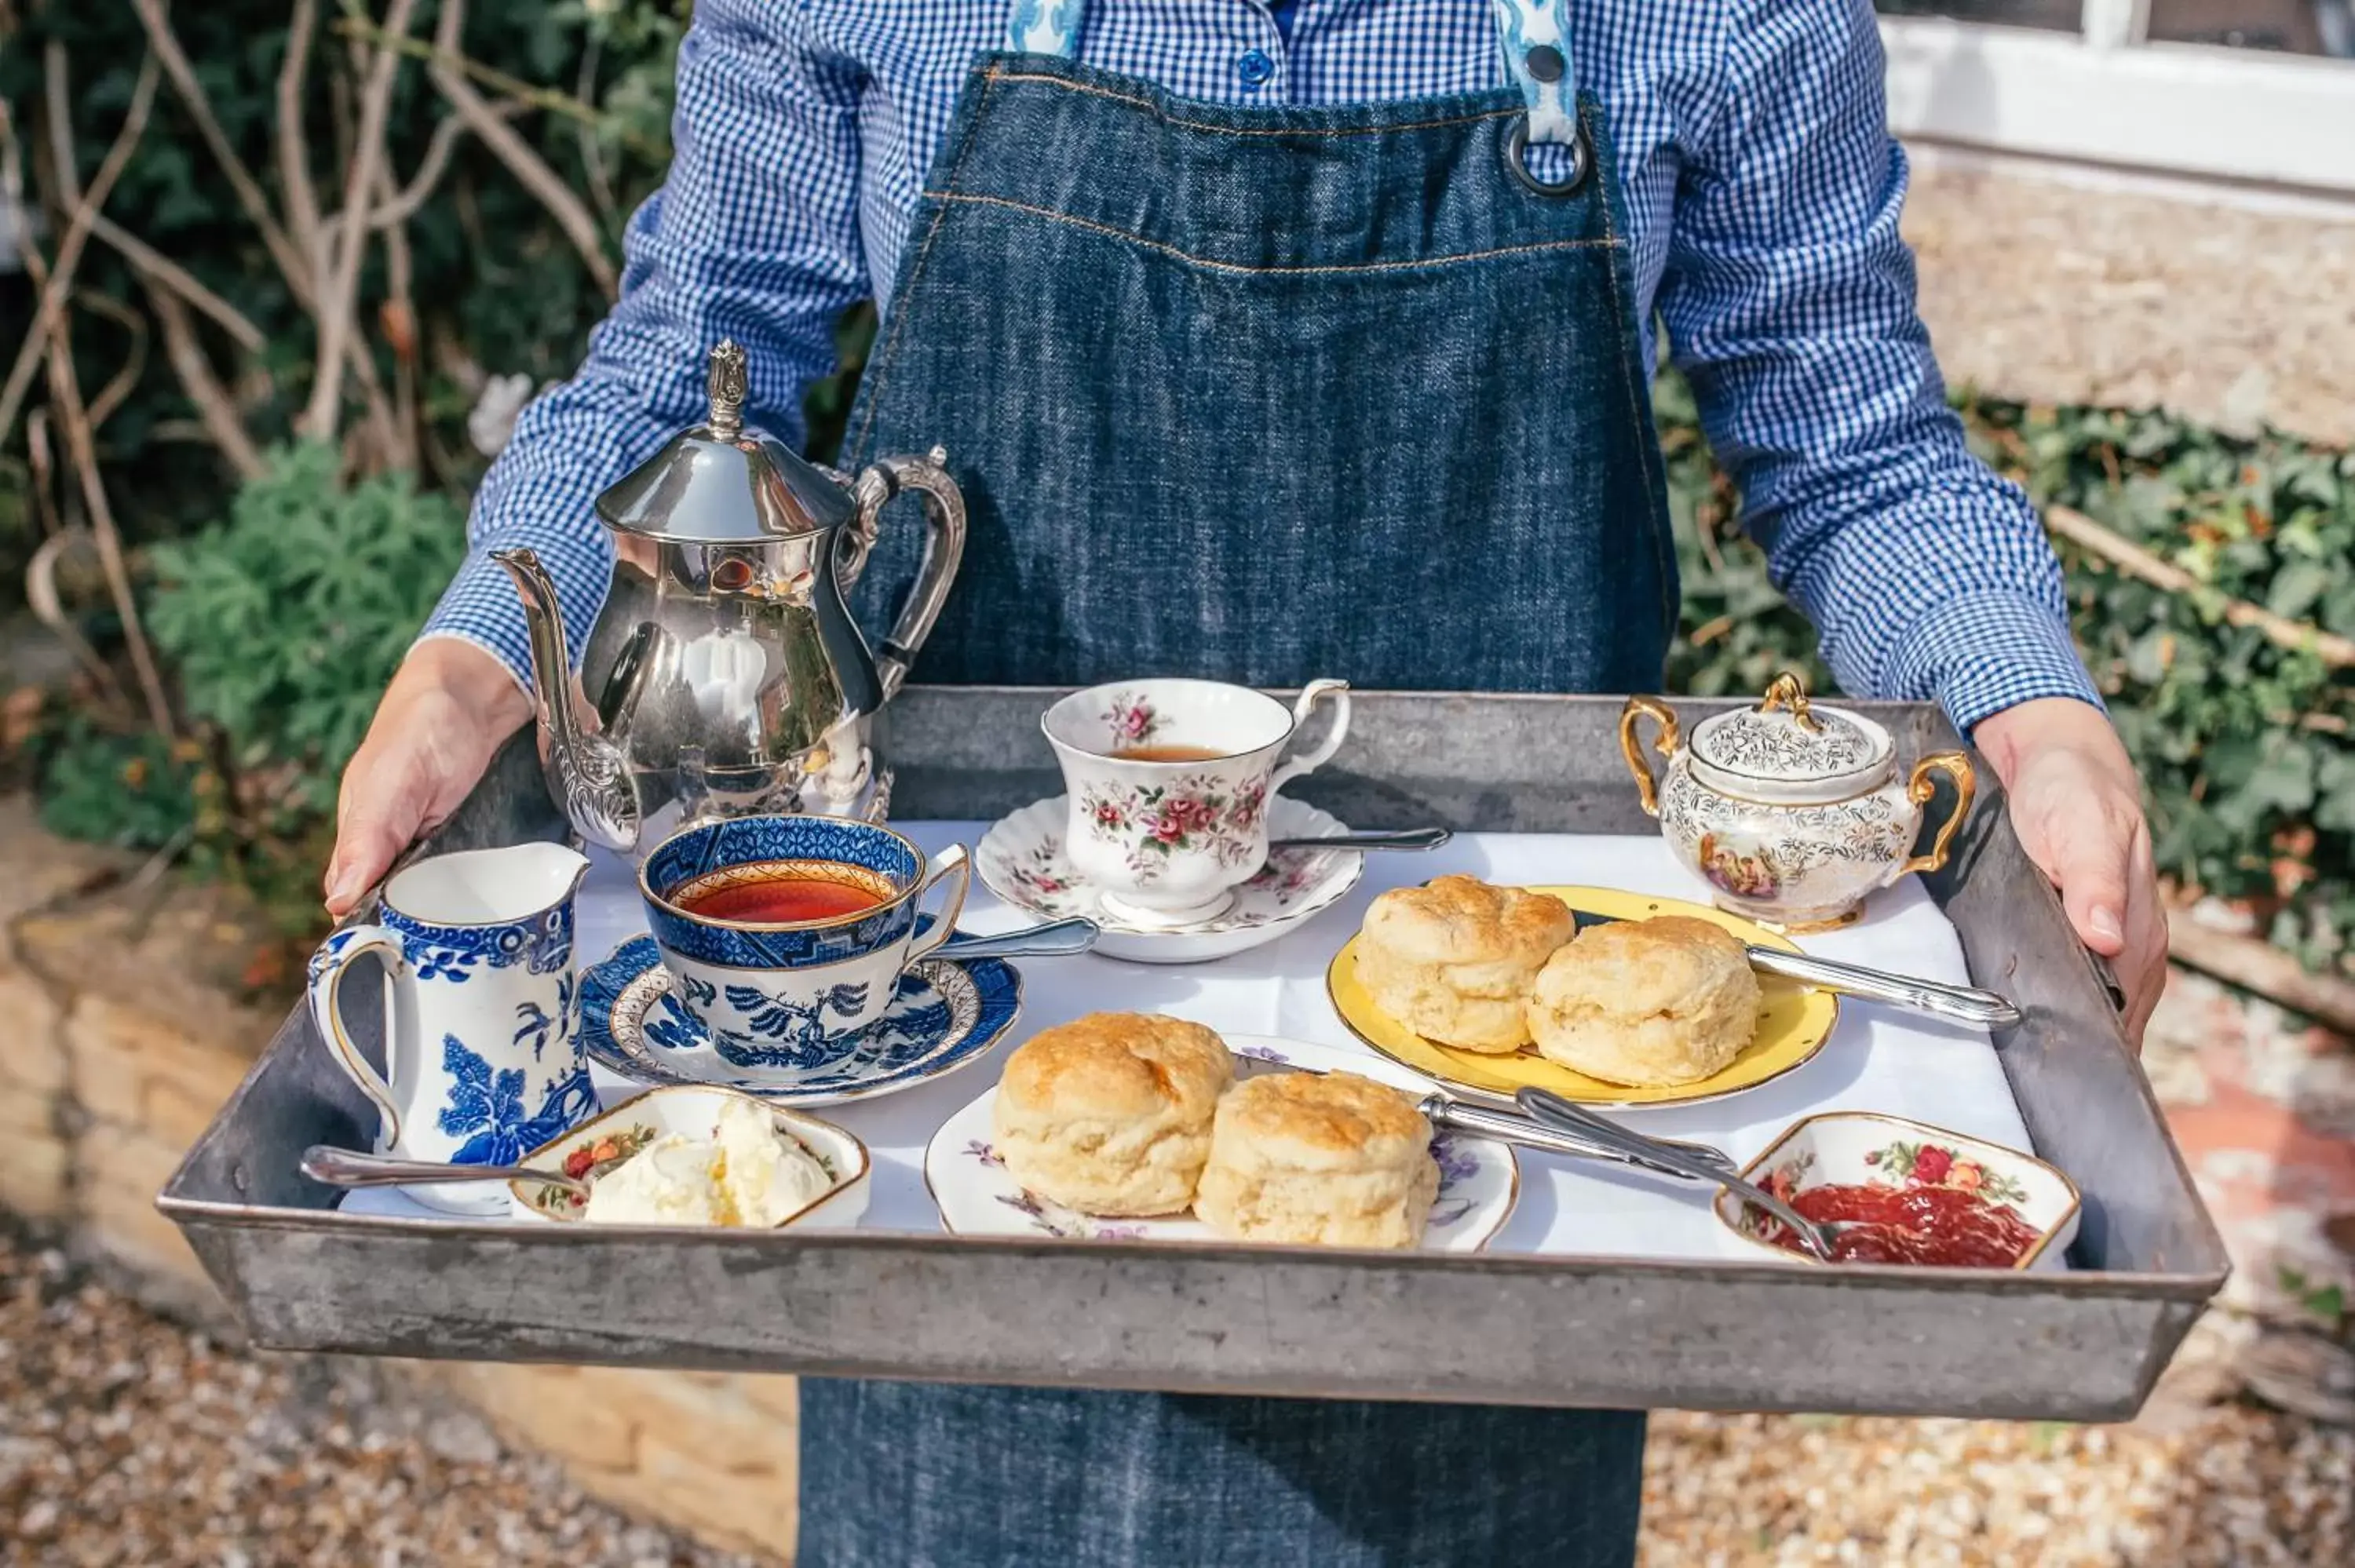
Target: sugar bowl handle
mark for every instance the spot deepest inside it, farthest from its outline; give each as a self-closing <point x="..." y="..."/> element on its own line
<point x="943" y="549"/>
<point x="1631" y="746"/>
<point x="1921" y="790"/>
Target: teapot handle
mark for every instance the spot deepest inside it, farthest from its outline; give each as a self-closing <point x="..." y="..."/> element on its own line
<point x="943" y="549"/>
<point x="1631" y="746"/>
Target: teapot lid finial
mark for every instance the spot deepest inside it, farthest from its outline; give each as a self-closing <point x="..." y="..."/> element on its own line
<point x="724" y="483"/>
<point x="727" y="383"/>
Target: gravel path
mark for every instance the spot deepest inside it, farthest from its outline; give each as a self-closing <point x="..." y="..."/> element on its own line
<point x="125" y="1439"/>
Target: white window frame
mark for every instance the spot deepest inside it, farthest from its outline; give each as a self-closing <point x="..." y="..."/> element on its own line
<point x="2108" y="96"/>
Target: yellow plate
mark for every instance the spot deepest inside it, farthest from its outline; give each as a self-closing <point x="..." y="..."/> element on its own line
<point x="1794" y="1021"/>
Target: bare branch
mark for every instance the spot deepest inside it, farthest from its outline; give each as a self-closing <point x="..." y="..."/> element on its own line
<point x="160" y="269"/>
<point x="531" y="170"/>
<point x="110" y="396"/>
<point x="2333" y="650"/>
<point x="47" y="605"/>
<point x="339" y="298"/>
<point x="399" y="324"/>
<point x="166" y="45"/>
<point x="215" y="408"/>
<point x="293" y="152"/>
<point x="593" y="158"/>
<point x="404" y="204"/>
<point x="83" y="450"/>
<point x="531" y="94"/>
<point x="51" y="309"/>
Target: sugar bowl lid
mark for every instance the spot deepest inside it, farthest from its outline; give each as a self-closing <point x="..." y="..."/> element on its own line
<point x="1788" y="751"/>
<point x="721" y="483"/>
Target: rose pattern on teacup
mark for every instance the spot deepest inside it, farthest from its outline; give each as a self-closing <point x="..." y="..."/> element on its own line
<point x="1153" y="821"/>
<point x="1165" y="840"/>
<point x="1131" y="719"/>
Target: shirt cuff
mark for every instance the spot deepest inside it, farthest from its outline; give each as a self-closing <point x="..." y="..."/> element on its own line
<point x="1985" y="652"/>
<point x="482" y="606"/>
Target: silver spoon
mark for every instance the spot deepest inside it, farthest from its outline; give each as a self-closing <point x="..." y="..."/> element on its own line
<point x="1055" y="939"/>
<point x="1395" y="838"/>
<point x="350" y="1167"/>
<point x="1815" y="1236"/>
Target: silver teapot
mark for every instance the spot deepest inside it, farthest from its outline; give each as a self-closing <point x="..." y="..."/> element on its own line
<point x="747" y="689"/>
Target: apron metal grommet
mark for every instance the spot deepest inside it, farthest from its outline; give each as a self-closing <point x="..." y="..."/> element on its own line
<point x="1516" y="152"/>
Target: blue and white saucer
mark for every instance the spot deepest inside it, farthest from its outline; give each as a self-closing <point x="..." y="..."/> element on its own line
<point x="945" y="1014"/>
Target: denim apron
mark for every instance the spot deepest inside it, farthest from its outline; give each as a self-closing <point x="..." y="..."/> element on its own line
<point x="1260" y="394"/>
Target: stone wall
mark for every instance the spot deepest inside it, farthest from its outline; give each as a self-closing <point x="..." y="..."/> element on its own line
<point x="120" y="1036"/>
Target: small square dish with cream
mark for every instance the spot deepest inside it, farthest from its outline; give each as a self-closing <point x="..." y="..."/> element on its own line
<point x="701" y="1157"/>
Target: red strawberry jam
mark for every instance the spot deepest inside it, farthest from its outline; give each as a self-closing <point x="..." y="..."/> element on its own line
<point x="1945" y="1227"/>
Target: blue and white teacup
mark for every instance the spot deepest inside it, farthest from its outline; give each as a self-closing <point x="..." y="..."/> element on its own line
<point x="483" y="1059"/>
<point x="790" y="996"/>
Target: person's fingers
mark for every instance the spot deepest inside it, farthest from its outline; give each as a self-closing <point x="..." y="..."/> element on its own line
<point x="2090" y="861"/>
<point x="376" y="826"/>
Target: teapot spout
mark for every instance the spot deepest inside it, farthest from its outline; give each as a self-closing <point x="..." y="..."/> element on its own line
<point x="586" y="773"/>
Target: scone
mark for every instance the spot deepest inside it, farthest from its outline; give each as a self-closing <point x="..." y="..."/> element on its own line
<point x="1650" y="1002"/>
<point x="1330" y="1159"/>
<point x="1453" y="960"/>
<point x="1111" y="1114"/>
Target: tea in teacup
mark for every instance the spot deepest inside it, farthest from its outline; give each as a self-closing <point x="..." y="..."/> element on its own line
<point x="786" y="936"/>
<point x="1169" y="783"/>
<point x="1169" y="754"/>
<point x="789" y="894"/>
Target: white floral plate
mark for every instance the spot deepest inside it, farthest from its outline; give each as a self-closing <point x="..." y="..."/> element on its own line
<point x="1021" y="860"/>
<point x="1479" y="1179"/>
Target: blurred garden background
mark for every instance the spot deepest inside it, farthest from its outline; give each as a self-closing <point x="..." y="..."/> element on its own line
<point x="275" y="276"/>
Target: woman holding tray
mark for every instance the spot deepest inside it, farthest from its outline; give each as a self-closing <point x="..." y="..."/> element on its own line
<point x="1275" y="339"/>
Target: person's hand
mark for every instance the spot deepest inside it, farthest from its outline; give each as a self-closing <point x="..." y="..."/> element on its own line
<point x="2077" y="807"/>
<point x="445" y="715"/>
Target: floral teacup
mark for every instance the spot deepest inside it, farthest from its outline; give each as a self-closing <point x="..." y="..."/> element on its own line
<point x="1169" y="783"/>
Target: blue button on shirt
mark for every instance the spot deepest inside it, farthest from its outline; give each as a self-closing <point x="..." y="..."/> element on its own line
<point x="1763" y="193"/>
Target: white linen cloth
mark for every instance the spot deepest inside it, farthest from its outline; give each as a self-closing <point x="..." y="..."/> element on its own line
<point x="1877" y="1059"/>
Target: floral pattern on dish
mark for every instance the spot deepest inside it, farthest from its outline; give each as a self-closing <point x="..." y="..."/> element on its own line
<point x="1023" y="859"/>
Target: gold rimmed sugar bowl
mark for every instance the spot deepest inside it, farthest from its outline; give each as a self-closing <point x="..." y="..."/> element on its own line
<point x="1792" y="811"/>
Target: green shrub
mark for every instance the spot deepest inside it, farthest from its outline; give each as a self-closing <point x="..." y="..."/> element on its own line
<point x="284" y="622"/>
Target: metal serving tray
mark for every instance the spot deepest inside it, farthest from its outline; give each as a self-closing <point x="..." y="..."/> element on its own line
<point x="1596" y="1331"/>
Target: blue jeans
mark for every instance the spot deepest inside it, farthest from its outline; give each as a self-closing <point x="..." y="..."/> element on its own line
<point x="917" y="1476"/>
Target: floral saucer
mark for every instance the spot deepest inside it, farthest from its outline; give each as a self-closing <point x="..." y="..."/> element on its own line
<point x="1478" y="1178"/>
<point x="1021" y="860"/>
<point x="945" y="1015"/>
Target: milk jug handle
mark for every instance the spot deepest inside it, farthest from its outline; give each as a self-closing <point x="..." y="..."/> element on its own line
<point x="328" y="971"/>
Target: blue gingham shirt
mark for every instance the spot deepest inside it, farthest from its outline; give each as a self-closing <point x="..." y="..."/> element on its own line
<point x="1763" y="192"/>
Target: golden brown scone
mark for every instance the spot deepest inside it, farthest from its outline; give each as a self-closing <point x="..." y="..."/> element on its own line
<point x="1454" y="960"/>
<point x="1109" y="1114"/>
<point x="1329" y="1159"/>
<point x="1651" y="1002"/>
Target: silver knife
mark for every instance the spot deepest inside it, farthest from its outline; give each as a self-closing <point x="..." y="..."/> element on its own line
<point x="1961" y="1005"/>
